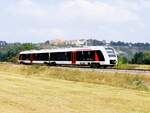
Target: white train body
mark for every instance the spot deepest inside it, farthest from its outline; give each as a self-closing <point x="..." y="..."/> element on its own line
<point x="99" y="55"/>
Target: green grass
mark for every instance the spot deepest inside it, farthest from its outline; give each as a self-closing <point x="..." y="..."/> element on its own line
<point x="133" y="66"/>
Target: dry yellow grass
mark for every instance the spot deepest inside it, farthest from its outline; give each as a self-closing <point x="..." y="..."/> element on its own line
<point x="139" y="82"/>
<point x="19" y="94"/>
<point x="23" y="89"/>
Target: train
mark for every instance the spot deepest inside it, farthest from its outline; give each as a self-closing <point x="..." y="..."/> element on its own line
<point x="93" y="56"/>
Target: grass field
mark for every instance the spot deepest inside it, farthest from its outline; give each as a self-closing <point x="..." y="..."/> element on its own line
<point x="24" y="92"/>
<point x="133" y="66"/>
<point x="130" y="81"/>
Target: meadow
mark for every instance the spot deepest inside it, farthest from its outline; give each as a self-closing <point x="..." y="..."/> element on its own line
<point x="42" y="89"/>
<point x="133" y="67"/>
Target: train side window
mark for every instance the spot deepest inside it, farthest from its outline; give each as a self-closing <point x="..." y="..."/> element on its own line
<point x="68" y="56"/>
<point x="61" y="56"/>
<point x="45" y="56"/>
<point x="79" y="55"/>
<point x="84" y="56"/>
<point x="38" y="57"/>
<point x="23" y="57"/>
<point x="27" y="57"/>
<point x="42" y="57"/>
<point x="34" y="57"/>
<point x="87" y="56"/>
<point x="52" y="56"/>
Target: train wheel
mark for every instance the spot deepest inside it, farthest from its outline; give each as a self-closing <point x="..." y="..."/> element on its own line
<point x="92" y="65"/>
<point x="95" y="65"/>
<point x="103" y="67"/>
<point x="53" y="63"/>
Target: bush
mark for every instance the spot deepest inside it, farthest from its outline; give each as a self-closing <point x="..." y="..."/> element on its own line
<point x="13" y="59"/>
<point x="122" y="60"/>
<point x="141" y="58"/>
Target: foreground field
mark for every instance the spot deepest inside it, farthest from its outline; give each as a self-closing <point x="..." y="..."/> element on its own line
<point x="21" y="94"/>
<point x="41" y="89"/>
<point x="136" y="81"/>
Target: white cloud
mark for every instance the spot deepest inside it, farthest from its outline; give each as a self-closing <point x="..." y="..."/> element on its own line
<point x="74" y="10"/>
<point x="146" y="3"/>
<point x="95" y="11"/>
<point x="47" y="32"/>
<point x="133" y="5"/>
<point x="25" y="2"/>
<point x="27" y="8"/>
<point x="73" y="18"/>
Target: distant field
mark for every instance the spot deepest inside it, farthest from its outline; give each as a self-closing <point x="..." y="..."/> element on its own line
<point x="40" y="89"/>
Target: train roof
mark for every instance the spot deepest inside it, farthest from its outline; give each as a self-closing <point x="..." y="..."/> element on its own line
<point x="65" y="49"/>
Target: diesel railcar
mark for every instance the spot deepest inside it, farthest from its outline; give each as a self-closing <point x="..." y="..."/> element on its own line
<point x="94" y="56"/>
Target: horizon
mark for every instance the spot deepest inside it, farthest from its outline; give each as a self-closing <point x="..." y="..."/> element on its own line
<point x="38" y="21"/>
<point x="75" y="39"/>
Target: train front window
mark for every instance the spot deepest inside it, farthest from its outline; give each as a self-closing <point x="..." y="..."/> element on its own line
<point x="111" y="52"/>
<point x="20" y="57"/>
<point x="108" y="49"/>
<point x="112" y="55"/>
<point x="25" y="56"/>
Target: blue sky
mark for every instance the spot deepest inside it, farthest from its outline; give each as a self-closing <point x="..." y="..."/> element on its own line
<point x="41" y="20"/>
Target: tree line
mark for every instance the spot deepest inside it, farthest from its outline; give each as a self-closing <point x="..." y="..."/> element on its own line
<point x="138" y="58"/>
<point x="9" y="52"/>
<point x="141" y="58"/>
<point x="120" y="43"/>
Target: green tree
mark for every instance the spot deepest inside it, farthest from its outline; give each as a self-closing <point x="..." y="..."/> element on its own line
<point x="27" y="46"/>
<point x="11" y="51"/>
<point x="141" y="58"/>
<point x="122" y="60"/>
<point x="146" y="58"/>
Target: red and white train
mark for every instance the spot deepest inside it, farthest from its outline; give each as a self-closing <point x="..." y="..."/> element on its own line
<point x="94" y="56"/>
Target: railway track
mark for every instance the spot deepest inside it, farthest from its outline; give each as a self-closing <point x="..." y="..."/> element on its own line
<point x="141" y="72"/>
<point x="126" y="71"/>
<point x="87" y="68"/>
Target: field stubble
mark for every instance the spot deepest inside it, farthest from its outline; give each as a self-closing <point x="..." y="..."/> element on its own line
<point x="131" y="81"/>
<point x="40" y="89"/>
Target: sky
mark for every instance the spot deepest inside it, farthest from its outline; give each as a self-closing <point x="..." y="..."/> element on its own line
<point x="41" y="20"/>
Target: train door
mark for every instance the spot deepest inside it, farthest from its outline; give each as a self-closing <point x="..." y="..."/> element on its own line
<point x="31" y="58"/>
<point x="96" y="56"/>
<point x="20" y="57"/>
<point x="73" y="57"/>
